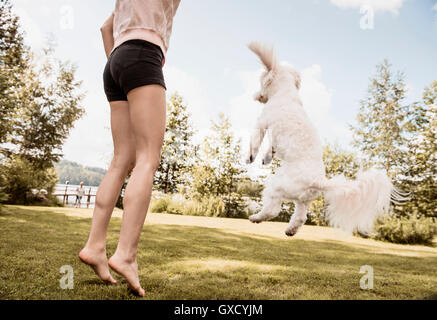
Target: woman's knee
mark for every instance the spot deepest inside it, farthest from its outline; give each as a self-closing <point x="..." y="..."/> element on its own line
<point x="149" y="163"/>
<point x="123" y="163"/>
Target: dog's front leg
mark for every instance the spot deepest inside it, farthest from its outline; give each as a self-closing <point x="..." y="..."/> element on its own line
<point x="255" y="142"/>
<point x="268" y="157"/>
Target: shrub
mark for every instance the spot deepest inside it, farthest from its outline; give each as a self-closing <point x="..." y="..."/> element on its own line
<point x="234" y="206"/>
<point x="175" y="207"/>
<point x="250" y="188"/>
<point x="193" y="208"/>
<point x="20" y="177"/>
<point x="316" y="212"/>
<point x="210" y="207"/>
<point x="407" y="230"/>
<point x="159" y="205"/>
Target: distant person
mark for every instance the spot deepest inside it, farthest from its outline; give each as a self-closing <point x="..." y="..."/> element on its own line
<point x="136" y="38"/>
<point x="80" y="192"/>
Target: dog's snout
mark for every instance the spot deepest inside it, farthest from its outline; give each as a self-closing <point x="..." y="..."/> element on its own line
<point x="260" y="97"/>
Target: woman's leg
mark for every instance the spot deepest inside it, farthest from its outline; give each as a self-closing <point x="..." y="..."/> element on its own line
<point x="148" y="116"/>
<point x="123" y="161"/>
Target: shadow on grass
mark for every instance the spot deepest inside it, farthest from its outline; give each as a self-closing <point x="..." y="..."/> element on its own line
<point x="187" y="262"/>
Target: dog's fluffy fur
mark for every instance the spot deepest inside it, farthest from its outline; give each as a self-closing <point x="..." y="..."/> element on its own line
<point x="352" y="204"/>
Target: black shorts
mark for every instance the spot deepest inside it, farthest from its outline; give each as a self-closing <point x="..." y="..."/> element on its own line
<point x="133" y="64"/>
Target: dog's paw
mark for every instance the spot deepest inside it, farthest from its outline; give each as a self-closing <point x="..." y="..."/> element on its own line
<point x="250" y="159"/>
<point x="255" y="218"/>
<point x="294" y="227"/>
<point x="289" y="232"/>
<point x="267" y="160"/>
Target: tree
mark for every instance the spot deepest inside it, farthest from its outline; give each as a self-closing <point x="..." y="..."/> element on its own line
<point x="13" y="63"/>
<point x="177" y="150"/>
<point x="220" y="159"/>
<point x="383" y="119"/>
<point x="401" y="137"/>
<point x="49" y="105"/>
<point x="339" y="161"/>
<point x="39" y="103"/>
<point x="420" y="170"/>
<point x="219" y="168"/>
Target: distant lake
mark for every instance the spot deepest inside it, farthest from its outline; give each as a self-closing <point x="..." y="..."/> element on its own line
<point x="71" y="189"/>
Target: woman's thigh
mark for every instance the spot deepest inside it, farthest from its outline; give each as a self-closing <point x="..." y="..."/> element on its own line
<point x="148" y="118"/>
<point x="122" y="135"/>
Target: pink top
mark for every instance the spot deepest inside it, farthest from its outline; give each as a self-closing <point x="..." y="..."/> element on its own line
<point x="150" y="20"/>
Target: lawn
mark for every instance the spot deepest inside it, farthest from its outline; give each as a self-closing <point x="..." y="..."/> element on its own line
<point x="184" y="257"/>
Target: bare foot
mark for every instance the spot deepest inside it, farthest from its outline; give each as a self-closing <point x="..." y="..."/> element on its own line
<point x="98" y="262"/>
<point x="129" y="270"/>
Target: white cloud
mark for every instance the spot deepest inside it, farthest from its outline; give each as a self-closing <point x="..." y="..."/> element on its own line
<point x="435" y="7"/>
<point x="378" y="5"/>
<point x="317" y="101"/>
<point x="243" y="109"/>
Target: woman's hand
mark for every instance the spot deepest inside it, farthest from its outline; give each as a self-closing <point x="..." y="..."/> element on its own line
<point x="107" y="31"/>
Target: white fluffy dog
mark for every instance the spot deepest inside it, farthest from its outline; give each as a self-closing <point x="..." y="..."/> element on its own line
<point x="352" y="204"/>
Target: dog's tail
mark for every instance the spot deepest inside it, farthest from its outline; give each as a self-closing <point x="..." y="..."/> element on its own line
<point x="265" y="52"/>
<point x="355" y="204"/>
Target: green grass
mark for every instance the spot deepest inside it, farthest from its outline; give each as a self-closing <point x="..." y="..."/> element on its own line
<point x="196" y="262"/>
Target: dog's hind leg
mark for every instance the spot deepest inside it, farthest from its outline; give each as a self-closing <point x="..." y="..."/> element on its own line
<point x="297" y="219"/>
<point x="272" y="200"/>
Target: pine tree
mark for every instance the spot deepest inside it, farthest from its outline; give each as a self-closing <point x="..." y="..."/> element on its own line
<point x="218" y="166"/>
<point x="178" y="150"/>
<point x="401" y="138"/>
<point x="219" y="169"/>
<point x="420" y="165"/>
<point x="381" y="132"/>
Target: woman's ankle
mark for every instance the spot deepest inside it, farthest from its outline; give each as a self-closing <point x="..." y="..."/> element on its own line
<point x="125" y="256"/>
<point x="96" y="247"/>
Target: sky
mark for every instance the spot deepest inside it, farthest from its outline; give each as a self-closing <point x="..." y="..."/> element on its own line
<point x="334" y="44"/>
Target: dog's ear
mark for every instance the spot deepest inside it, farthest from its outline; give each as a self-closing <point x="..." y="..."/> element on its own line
<point x="268" y="79"/>
<point x="266" y="54"/>
<point x="297" y="79"/>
